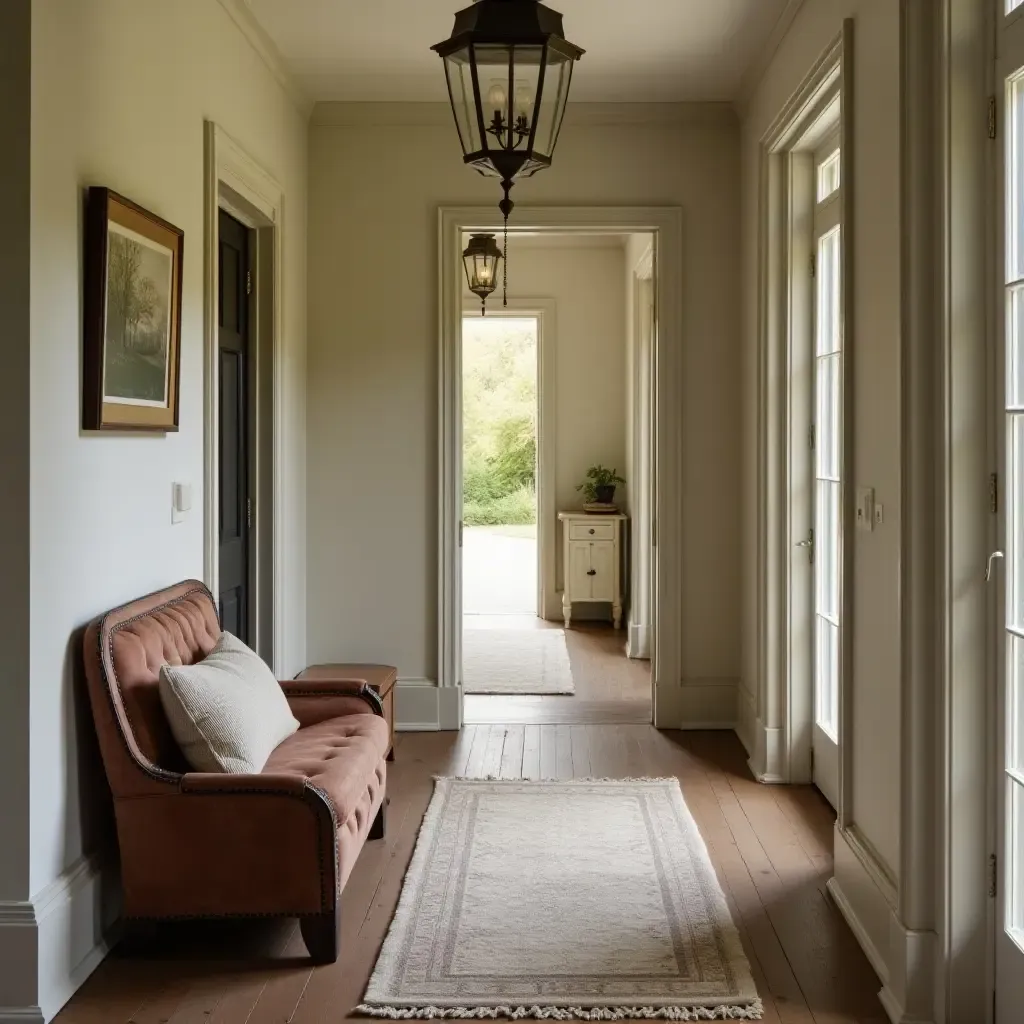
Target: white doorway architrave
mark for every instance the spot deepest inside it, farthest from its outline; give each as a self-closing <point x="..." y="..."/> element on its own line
<point x="641" y="416"/>
<point x="665" y="223"/>
<point x="549" y="605"/>
<point x="236" y="183"/>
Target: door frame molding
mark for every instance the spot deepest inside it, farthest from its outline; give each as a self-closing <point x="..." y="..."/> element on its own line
<point x="779" y="719"/>
<point x="545" y="312"/>
<point x="643" y="297"/>
<point x="236" y="183"/>
<point x="666" y="224"/>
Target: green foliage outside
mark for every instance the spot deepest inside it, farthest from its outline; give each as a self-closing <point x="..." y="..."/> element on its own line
<point x="499" y="453"/>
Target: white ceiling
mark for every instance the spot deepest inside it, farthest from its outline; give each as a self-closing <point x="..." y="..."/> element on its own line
<point x="637" y="50"/>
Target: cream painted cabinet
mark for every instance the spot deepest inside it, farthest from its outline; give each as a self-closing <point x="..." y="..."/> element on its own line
<point x="592" y="559"/>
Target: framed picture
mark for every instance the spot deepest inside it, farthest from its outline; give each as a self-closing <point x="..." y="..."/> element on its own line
<point x="132" y="330"/>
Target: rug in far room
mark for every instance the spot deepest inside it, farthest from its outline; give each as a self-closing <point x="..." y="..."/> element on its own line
<point x="589" y="899"/>
<point x="516" y="661"/>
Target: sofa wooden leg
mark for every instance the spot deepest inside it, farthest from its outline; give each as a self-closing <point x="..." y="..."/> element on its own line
<point x="377" y="828"/>
<point x="321" y="934"/>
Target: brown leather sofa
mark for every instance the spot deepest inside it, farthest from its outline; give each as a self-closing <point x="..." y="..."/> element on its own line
<point x="193" y="844"/>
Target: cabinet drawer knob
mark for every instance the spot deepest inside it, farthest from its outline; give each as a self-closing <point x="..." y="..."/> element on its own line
<point x="591" y="572"/>
<point x="591" y="529"/>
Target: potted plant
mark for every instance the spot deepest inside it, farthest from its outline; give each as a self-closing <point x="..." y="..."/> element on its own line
<point x="599" y="487"/>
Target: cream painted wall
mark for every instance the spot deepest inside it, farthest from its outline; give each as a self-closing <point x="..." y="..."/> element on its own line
<point x="110" y="107"/>
<point x="874" y="344"/>
<point x="589" y="339"/>
<point x="373" y="358"/>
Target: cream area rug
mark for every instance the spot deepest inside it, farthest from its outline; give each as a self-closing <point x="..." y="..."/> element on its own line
<point x="515" y="661"/>
<point x="590" y="900"/>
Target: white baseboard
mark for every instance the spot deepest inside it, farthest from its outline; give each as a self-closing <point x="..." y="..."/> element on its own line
<point x="423" y="706"/>
<point x="707" y="703"/>
<point x="49" y="945"/>
<point x="904" y="960"/>
<point x="638" y="641"/>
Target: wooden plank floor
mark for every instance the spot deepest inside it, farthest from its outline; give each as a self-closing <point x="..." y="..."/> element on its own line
<point x="610" y="688"/>
<point x="771" y="847"/>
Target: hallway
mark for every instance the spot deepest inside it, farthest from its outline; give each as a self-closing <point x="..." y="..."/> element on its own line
<point x="610" y="688"/>
<point x="771" y="847"/>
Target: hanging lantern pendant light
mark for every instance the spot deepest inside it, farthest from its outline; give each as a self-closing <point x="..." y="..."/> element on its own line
<point x="480" y="260"/>
<point x="508" y="67"/>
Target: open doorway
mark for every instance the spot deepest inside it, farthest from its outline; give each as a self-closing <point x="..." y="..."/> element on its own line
<point x="242" y="428"/>
<point x="499" y="469"/>
<point x="556" y="401"/>
<point x="504" y="650"/>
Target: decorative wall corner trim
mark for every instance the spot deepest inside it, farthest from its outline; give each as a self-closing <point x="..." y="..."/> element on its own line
<point x="268" y="52"/>
<point x="49" y="945"/>
<point x="759" y="67"/>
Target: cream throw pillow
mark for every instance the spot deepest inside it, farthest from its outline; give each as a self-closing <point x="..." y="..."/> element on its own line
<point x="227" y="712"/>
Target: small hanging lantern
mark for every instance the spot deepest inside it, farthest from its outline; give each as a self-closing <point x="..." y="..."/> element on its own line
<point x="481" y="258"/>
<point x="508" y="67"/>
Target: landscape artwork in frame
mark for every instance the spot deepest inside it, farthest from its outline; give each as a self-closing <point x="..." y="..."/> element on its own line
<point x="132" y="331"/>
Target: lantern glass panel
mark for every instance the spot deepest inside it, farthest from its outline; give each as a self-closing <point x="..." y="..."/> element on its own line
<point x="551" y="109"/>
<point x="459" y="72"/>
<point x="493" y="73"/>
<point x="526" y="73"/>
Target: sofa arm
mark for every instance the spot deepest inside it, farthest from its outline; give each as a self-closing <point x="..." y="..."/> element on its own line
<point x="315" y="701"/>
<point x="228" y="845"/>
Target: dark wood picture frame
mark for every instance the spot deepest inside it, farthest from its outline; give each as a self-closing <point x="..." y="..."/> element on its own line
<point x="131" y="337"/>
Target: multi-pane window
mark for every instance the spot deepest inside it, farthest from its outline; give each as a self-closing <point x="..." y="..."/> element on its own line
<point x="828" y="175"/>
<point x="1014" y="511"/>
<point x="828" y="372"/>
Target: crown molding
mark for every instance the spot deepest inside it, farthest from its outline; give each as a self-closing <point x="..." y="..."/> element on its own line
<point x="343" y="114"/>
<point x="260" y="41"/>
<point x="759" y="67"/>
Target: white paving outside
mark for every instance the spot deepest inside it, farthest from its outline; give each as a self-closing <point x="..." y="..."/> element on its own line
<point x="499" y="570"/>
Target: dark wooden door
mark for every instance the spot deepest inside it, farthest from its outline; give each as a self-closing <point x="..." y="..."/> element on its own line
<point x="233" y="418"/>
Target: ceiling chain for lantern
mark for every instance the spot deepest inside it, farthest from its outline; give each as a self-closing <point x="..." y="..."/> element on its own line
<point x="508" y="67"/>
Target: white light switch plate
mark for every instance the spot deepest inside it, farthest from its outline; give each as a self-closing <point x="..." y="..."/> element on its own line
<point x="181" y="501"/>
<point x="865" y="508"/>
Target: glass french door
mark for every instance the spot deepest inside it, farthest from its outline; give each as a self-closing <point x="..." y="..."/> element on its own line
<point x="826" y="542"/>
<point x="1006" y="565"/>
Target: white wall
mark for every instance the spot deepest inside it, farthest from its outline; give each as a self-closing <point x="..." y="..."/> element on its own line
<point x="373" y="357"/>
<point x="120" y="91"/>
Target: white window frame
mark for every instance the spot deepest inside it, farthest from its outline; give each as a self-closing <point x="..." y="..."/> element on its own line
<point x="827" y="218"/>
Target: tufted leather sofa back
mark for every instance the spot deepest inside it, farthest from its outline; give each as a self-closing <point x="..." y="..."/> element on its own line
<point x="124" y="651"/>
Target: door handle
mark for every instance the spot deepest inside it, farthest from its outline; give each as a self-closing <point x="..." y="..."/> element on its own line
<point x="988" y="568"/>
<point x="591" y="572"/>
<point x="808" y="544"/>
